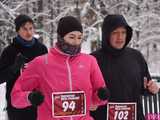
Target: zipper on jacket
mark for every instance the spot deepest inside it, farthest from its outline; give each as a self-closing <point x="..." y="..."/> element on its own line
<point x="69" y="77"/>
<point x="69" y="74"/>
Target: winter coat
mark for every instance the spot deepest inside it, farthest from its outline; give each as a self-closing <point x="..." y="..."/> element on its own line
<point x="7" y="75"/>
<point x="123" y="70"/>
<point x="59" y="72"/>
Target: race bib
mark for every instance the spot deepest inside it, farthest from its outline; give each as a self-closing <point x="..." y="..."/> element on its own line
<point x="66" y="104"/>
<point x="121" y="111"/>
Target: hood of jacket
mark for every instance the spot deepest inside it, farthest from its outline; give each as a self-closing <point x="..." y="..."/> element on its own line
<point x="110" y="23"/>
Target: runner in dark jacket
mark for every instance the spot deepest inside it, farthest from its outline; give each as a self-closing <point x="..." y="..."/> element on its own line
<point x="123" y="68"/>
<point x="22" y="50"/>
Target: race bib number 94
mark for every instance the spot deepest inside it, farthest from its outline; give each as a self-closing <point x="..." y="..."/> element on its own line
<point x="121" y="111"/>
<point x="66" y="104"/>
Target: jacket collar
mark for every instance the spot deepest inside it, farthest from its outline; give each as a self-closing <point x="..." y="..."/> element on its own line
<point x="57" y="51"/>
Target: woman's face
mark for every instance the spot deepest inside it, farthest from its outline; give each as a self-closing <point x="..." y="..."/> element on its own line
<point x="73" y="38"/>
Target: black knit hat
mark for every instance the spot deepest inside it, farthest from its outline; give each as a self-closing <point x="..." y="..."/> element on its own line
<point x="68" y="24"/>
<point x="21" y="20"/>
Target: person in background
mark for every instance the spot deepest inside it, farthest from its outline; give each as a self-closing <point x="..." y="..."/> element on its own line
<point x="124" y="69"/>
<point x="63" y="69"/>
<point x="14" y="57"/>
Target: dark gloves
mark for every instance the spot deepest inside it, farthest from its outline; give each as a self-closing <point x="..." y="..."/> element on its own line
<point x="19" y="63"/>
<point x="36" y="98"/>
<point x="103" y="93"/>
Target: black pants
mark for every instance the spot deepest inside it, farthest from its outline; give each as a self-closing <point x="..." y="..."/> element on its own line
<point x="29" y="113"/>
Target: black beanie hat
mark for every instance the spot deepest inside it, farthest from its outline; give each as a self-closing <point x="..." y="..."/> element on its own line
<point x="21" y="20"/>
<point x="68" y="24"/>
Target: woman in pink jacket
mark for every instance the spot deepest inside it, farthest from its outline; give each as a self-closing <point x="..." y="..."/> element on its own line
<point x="63" y="83"/>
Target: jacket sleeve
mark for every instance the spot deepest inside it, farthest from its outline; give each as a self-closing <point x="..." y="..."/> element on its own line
<point x="6" y="60"/>
<point x="144" y="73"/>
<point x="27" y="82"/>
<point x="97" y="82"/>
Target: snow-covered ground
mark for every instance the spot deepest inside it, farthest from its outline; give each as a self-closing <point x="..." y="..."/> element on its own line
<point x="3" y="115"/>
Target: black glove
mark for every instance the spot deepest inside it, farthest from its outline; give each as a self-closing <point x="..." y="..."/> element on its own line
<point x="19" y="63"/>
<point x="103" y="93"/>
<point x="36" y="98"/>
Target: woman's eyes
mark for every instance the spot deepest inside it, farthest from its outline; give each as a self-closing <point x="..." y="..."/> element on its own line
<point x="71" y="37"/>
<point x="75" y="38"/>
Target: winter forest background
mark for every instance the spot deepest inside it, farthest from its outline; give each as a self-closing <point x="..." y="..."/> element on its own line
<point x="142" y="15"/>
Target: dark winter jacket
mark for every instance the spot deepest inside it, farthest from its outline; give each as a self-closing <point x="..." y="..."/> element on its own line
<point x="123" y="69"/>
<point x="9" y="75"/>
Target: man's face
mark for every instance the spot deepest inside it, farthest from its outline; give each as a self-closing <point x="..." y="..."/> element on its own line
<point x="118" y="37"/>
<point x="26" y="31"/>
